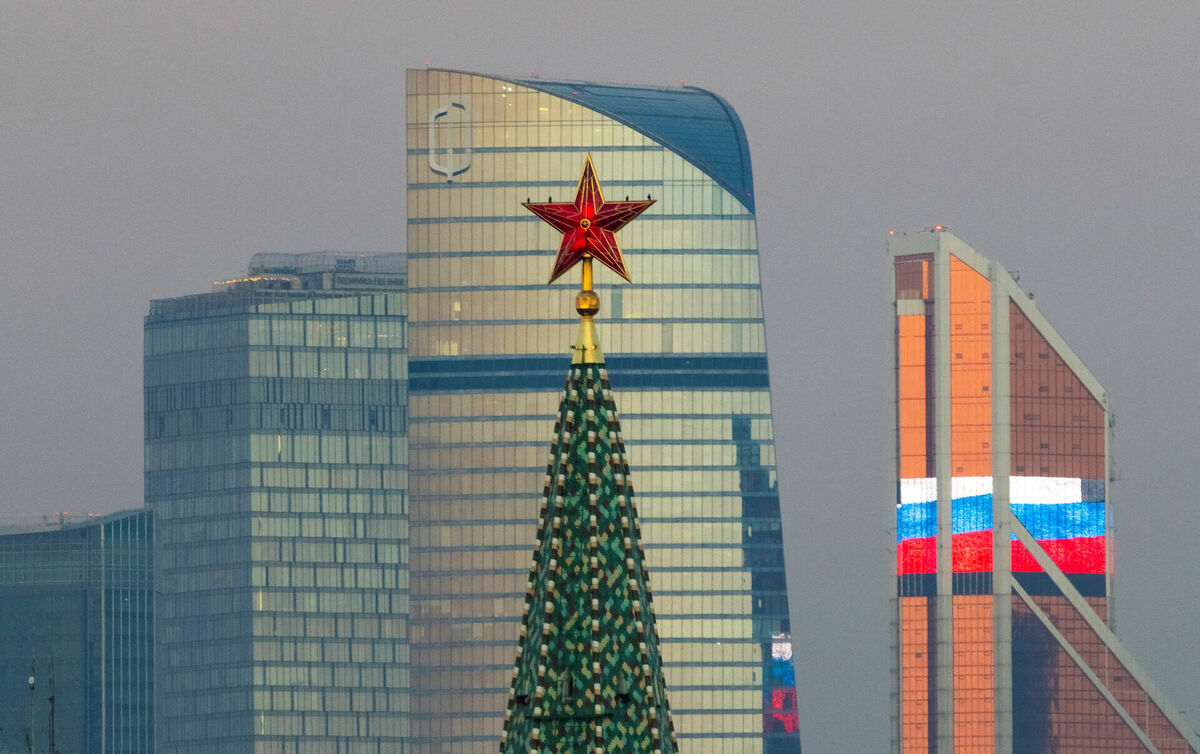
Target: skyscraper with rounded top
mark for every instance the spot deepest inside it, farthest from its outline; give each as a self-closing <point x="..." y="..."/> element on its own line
<point x="687" y="355"/>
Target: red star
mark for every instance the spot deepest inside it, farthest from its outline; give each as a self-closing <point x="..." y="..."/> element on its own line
<point x="588" y="225"/>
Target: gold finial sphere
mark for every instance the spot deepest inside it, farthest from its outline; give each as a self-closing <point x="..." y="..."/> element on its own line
<point x="587" y="303"/>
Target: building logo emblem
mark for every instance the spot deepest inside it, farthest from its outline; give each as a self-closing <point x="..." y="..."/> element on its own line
<point x="450" y="140"/>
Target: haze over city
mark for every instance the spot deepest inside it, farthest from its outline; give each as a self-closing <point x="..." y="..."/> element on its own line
<point x="147" y="150"/>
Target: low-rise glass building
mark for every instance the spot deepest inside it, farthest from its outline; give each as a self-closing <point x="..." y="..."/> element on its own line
<point x="76" y="616"/>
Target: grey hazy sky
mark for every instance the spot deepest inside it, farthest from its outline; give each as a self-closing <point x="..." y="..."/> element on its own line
<point x="147" y="149"/>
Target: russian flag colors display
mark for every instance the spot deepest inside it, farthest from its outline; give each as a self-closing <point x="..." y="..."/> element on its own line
<point x="1065" y="515"/>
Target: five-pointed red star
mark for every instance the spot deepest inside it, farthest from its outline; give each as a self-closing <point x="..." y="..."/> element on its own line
<point x="588" y="225"/>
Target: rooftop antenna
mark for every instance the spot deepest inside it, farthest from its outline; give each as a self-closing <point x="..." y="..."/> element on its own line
<point x="53" y="748"/>
<point x="32" y="687"/>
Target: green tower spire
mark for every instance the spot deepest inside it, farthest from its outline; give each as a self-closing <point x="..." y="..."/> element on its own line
<point x="588" y="676"/>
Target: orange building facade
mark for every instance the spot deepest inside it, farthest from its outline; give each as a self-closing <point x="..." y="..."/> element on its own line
<point x="1003" y="464"/>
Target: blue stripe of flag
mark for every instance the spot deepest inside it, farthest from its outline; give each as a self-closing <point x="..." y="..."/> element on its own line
<point x="1058" y="521"/>
<point x="1062" y="521"/>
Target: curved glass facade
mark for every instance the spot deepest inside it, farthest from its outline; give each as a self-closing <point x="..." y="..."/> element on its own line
<point x="489" y="345"/>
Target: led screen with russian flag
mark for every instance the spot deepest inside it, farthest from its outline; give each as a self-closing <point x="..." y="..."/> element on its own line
<point x="1065" y="515"/>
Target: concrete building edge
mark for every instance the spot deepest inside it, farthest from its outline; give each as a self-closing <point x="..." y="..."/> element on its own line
<point x="944" y="608"/>
<point x="1001" y="515"/>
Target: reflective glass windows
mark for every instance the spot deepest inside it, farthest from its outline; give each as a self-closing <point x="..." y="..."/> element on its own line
<point x="76" y="613"/>
<point x="1058" y="450"/>
<point x="993" y="408"/>
<point x="686" y="357"/>
<point x="276" y="464"/>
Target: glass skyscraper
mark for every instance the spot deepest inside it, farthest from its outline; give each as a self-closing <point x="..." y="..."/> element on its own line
<point x="76" y="614"/>
<point x="687" y="358"/>
<point x="276" y="468"/>
<point x="1004" y="559"/>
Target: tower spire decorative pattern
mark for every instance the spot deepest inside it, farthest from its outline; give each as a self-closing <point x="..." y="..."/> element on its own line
<point x="588" y="675"/>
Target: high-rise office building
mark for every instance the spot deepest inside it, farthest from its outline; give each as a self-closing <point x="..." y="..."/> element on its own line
<point x="687" y="354"/>
<point x="1004" y="462"/>
<point x="76" y="625"/>
<point x="276" y="463"/>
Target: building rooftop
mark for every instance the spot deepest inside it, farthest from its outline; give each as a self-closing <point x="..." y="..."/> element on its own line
<point x="59" y="521"/>
<point x="270" y="263"/>
<point x="697" y="124"/>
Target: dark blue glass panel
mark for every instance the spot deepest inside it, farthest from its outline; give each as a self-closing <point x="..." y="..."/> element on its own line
<point x="546" y="372"/>
<point x="699" y="125"/>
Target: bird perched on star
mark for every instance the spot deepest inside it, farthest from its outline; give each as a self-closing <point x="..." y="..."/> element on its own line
<point x="589" y="225"/>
